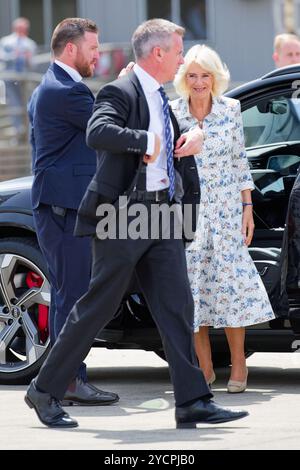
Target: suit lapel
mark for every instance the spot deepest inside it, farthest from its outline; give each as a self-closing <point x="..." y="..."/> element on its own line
<point x="175" y="126"/>
<point x="143" y="108"/>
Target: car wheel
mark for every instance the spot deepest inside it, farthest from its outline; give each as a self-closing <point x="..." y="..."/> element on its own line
<point x="24" y="310"/>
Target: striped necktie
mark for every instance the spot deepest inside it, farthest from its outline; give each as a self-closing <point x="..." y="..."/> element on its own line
<point x="168" y="143"/>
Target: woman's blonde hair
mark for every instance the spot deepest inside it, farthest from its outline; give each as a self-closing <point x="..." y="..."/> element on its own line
<point x="208" y="60"/>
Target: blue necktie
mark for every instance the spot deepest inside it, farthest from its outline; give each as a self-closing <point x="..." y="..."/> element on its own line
<point x="168" y="142"/>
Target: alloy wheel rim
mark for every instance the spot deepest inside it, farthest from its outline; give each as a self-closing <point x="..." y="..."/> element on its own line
<point x="22" y="341"/>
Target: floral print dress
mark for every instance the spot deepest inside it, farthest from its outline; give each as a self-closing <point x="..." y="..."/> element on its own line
<point x="226" y="287"/>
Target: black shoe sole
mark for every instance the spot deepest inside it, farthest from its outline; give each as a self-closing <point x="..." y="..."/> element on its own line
<point x="84" y="403"/>
<point x="31" y="406"/>
<point x="194" y="424"/>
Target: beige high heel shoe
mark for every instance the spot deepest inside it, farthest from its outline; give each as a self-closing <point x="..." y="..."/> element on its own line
<point x="235" y="386"/>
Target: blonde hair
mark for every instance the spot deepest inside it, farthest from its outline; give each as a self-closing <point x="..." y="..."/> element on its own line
<point x="210" y="61"/>
<point x="281" y="39"/>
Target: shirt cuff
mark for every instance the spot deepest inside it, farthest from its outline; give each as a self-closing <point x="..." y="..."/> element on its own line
<point x="150" y="143"/>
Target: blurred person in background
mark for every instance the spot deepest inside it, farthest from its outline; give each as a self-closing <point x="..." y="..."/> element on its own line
<point x="16" y="53"/>
<point x="286" y="50"/>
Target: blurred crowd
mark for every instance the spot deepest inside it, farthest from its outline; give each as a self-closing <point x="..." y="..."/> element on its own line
<point x="18" y="50"/>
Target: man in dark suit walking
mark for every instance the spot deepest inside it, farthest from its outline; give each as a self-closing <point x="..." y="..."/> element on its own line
<point x="132" y="124"/>
<point x="63" y="166"/>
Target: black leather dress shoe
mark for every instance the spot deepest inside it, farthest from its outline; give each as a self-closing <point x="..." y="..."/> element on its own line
<point x="205" y="411"/>
<point x="48" y="409"/>
<point x="84" y="394"/>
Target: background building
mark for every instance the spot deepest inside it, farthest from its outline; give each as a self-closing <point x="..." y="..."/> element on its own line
<point x="241" y="31"/>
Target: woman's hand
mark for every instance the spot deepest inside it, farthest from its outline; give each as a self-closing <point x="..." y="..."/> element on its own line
<point x="189" y="143"/>
<point x="247" y="225"/>
<point x="126" y="70"/>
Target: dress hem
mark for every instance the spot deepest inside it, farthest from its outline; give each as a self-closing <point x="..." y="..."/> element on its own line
<point x="235" y="326"/>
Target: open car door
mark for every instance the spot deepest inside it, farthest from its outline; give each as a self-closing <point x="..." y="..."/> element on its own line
<point x="272" y="135"/>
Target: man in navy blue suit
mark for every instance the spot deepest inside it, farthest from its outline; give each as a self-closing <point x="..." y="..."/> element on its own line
<point x="63" y="166"/>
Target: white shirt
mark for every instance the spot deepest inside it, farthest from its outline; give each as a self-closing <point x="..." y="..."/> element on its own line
<point x="157" y="173"/>
<point x="70" y="71"/>
<point x="16" y="52"/>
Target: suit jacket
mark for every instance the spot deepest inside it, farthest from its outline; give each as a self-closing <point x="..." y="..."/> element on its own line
<point x="117" y="130"/>
<point x="63" y="164"/>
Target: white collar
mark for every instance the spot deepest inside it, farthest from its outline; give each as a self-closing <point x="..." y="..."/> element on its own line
<point x="216" y="109"/>
<point x="149" y="84"/>
<point x="70" y="71"/>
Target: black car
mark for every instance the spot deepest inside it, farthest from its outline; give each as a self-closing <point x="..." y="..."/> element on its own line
<point x="271" y="116"/>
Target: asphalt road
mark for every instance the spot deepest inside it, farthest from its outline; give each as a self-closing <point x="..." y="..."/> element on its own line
<point x="144" y="418"/>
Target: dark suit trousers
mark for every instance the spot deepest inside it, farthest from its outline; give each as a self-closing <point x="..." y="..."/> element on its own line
<point x="69" y="263"/>
<point x="160" y="266"/>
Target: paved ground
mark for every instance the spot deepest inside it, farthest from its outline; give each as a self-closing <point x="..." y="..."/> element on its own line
<point x="144" y="419"/>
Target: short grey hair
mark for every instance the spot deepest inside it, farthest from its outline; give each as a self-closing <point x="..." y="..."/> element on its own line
<point x="21" y="20"/>
<point x="154" y="33"/>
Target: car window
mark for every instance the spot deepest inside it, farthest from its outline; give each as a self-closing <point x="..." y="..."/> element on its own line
<point x="267" y="180"/>
<point x="286" y="164"/>
<point x="272" y="119"/>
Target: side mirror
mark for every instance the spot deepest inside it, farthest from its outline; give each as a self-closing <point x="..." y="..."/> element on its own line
<point x="273" y="107"/>
<point x="278" y="107"/>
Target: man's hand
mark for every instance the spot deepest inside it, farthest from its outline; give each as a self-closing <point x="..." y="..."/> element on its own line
<point x="189" y="143"/>
<point x="126" y="70"/>
<point x="157" y="147"/>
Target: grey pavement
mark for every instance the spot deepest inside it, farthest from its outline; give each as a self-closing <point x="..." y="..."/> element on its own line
<point x="144" y="418"/>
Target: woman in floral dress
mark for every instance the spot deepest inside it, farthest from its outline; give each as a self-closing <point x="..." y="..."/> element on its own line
<point x="227" y="289"/>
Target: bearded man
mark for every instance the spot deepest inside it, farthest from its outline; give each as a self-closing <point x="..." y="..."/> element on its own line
<point x="63" y="166"/>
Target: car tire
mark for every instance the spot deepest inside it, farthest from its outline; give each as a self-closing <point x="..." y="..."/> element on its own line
<point x="24" y="336"/>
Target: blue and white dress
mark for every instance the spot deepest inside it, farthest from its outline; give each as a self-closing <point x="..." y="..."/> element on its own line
<point x="227" y="289"/>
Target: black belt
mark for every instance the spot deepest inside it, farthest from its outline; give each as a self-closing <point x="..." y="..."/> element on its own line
<point x="156" y="196"/>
